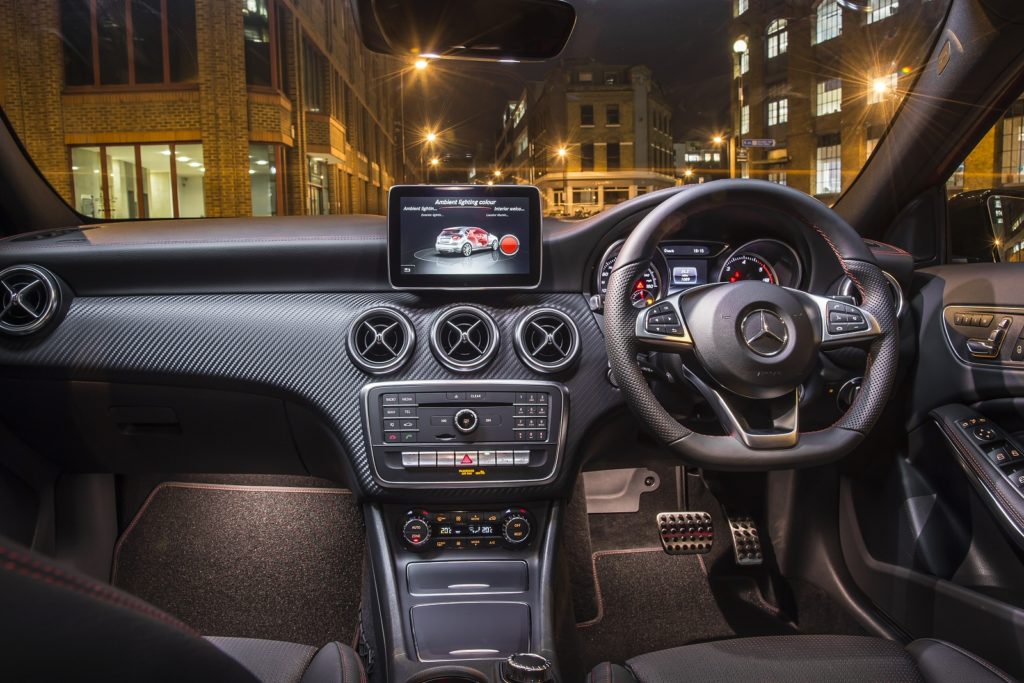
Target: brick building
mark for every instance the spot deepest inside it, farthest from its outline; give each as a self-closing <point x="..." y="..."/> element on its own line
<point x="823" y="82"/>
<point x="590" y="136"/>
<point x="180" y="108"/>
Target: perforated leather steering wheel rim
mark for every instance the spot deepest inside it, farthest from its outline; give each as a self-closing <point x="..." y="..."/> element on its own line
<point x="726" y="452"/>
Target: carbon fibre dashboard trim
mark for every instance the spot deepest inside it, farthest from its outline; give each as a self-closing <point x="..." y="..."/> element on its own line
<point x="294" y="345"/>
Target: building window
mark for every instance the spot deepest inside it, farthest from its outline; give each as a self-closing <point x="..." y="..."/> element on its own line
<point x="128" y="42"/>
<point x="881" y="9"/>
<point x="611" y="115"/>
<point x="777" y="37"/>
<point x="585" y="76"/>
<point x="745" y="119"/>
<point x="1012" y="157"/>
<point x="614" y="156"/>
<point x="611" y="78"/>
<point x="139" y="181"/>
<point x="777" y="176"/>
<point x="587" y="156"/>
<point x="830" y="96"/>
<point x="778" y="111"/>
<point x="314" y="74"/>
<point x="318" y="203"/>
<point x="615" y="195"/>
<point x="264" y="180"/>
<point x="586" y="114"/>
<point x="882" y="88"/>
<point x="262" y="53"/>
<point x="584" y="195"/>
<point x="828" y="22"/>
<point x="745" y="61"/>
<point x="828" y="167"/>
<point x="739" y="7"/>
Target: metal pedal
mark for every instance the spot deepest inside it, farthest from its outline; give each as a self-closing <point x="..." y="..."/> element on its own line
<point x="686" y="533"/>
<point x="746" y="542"/>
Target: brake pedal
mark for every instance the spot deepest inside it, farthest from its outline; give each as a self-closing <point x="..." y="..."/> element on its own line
<point x="746" y="542"/>
<point x="686" y="533"/>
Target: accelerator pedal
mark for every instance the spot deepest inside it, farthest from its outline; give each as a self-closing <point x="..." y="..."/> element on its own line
<point x="746" y="541"/>
<point x="686" y="533"/>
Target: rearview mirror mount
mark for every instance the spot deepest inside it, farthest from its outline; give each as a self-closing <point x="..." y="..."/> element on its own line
<point x="485" y="30"/>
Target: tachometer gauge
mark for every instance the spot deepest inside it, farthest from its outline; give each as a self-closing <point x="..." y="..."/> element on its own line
<point x="645" y="289"/>
<point x="748" y="267"/>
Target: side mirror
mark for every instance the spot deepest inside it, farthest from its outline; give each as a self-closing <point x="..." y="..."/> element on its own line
<point x="487" y="30"/>
<point x="986" y="226"/>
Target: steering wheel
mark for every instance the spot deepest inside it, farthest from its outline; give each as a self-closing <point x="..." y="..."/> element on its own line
<point x="749" y="346"/>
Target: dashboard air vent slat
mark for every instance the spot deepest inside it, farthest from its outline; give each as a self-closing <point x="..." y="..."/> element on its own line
<point x="380" y="340"/>
<point x="547" y="340"/>
<point x="464" y="338"/>
<point x="29" y="298"/>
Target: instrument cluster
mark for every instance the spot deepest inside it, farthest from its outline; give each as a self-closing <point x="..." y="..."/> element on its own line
<point x="680" y="264"/>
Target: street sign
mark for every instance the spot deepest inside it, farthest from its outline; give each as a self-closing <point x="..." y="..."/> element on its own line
<point x="757" y="142"/>
<point x="741" y="155"/>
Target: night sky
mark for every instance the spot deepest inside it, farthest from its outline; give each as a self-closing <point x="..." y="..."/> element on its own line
<point x="685" y="43"/>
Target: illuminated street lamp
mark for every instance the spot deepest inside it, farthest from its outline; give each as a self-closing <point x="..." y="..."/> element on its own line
<point x="431" y="137"/>
<point x="497" y="173"/>
<point x="435" y="161"/>
<point x="563" y="154"/>
<point x="880" y="85"/>
<point x="717" y="140"/>
<point x="740" y="46"/>
<point x="688" y="173"/>
<point x="421" y="64"/>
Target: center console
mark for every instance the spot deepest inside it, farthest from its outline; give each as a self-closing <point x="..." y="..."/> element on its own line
<point x="464" y="433"/>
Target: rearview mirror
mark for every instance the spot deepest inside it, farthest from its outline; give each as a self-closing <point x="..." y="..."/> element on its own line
<point x="489" y="30"/>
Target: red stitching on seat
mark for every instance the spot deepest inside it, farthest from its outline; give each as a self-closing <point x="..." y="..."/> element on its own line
<point x="28" y="566"/>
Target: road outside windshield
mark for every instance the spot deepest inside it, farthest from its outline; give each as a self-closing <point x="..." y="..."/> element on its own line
<point x="141" y="109"/>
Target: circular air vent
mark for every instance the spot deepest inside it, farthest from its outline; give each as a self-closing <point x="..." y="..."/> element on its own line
<point x="464" y="338"/>
<point x="29" y="298"/>
<point x="380" y="340"/>
<point x="846" y="288"/>
<point x="547" y="340"/>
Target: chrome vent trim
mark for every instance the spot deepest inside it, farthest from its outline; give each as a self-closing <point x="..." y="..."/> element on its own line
<point x="380" y="340"/>
<point x="29" y="299"/>
<point x="547" y="340"/>
<point x="464" y="338"/>
<point x="846" y="288"/>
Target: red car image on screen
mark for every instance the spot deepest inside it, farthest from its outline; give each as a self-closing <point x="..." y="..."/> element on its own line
<point x="465" y="240"/>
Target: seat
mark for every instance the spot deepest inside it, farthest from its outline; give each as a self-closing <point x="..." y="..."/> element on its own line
<point x="804" y="659"/>
<point x="60" y="625"/>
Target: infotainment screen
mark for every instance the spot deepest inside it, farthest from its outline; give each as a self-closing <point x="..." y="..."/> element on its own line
<point x="464" y="236"/>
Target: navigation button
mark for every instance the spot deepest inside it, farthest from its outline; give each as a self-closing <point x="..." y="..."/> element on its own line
<point x="390" y="399"/>
<point x="391" y="412"/>
<point x="407" y="399"/>
<point x="441" y="420"/>
<point x="405" y="412"/>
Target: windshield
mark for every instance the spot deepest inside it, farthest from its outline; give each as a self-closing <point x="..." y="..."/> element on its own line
<point x="210" y="108"/>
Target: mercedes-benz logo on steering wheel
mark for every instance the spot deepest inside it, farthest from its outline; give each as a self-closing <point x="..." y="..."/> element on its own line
<point x="764" y="332"/>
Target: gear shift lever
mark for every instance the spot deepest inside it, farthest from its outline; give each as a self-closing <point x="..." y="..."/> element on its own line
<point x="525" y="667"/>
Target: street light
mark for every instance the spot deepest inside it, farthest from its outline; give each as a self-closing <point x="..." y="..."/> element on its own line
<point x="421" y="64"/>
<point x="717" y="140"/>
<point x="563" y="154"/>
<point x="431" y="137"/>
<point x="740" y="46"/>
<point x="880" y="85"/>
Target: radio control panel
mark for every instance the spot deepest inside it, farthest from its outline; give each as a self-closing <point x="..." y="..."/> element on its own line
<point x="464" y="433"/>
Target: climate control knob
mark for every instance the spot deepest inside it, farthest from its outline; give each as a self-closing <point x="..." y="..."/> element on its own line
<point x="466" y="421"/>
<point x="515" y="528"/>
<point x="415" y="531"/>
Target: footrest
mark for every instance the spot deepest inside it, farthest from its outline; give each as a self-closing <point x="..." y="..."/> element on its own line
<point x="746" y="542"/>
<point x="686" y="533"/>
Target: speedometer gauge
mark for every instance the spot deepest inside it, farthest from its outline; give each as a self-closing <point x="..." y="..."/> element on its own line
<point x="748" y="267"/>
<point x="645" y="289"/>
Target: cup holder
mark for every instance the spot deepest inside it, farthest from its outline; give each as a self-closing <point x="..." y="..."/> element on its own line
<point x="449" y="674"/>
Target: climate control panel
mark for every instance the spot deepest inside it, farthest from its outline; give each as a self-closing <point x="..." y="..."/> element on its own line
<point x="422" y="530"/>
<point x="465" y="433"/>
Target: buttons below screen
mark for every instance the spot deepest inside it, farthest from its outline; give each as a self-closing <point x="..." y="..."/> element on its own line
<point x="464" y="458"/>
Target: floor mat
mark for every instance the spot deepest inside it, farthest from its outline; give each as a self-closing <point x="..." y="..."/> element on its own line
<point x="249" y="561"/>
<point x="648" y="600"/>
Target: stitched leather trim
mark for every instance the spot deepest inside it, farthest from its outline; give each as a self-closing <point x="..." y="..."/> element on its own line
<point x="980" y="470"/>
<point x="973" y="657"/>
<point x="41" y="571"/>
